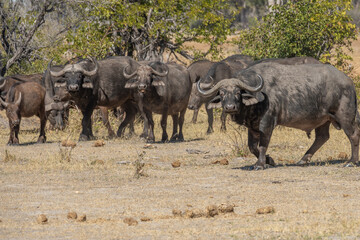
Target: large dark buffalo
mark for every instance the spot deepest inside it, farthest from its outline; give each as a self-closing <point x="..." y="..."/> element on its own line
<point x="218" y="71"/>
<point x="307" y="97"/>
<point x="163" y="89"/>
<point x="25" y="100"/>
<point x="198" y="70"/>
<point x="92" y="83"/>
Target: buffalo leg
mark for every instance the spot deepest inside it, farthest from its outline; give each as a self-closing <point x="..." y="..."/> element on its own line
<point x="253" y="143"/>
<point x="352" y="132"/>
<point x="210" y="115"/>
<point x="195" y="115"/>
<point x="151" y="137"/>
<point x="175" y="134"/>
<point x="163" y="124"/>
<point x="86" y="133"/>
<point x="130" y="112"/>
<point x="105" y="119"/>
<point x="223" y="121"/>
<point x="321" y="136"/>
<point x="181" y="124"/>
<point x="42" y="137"/>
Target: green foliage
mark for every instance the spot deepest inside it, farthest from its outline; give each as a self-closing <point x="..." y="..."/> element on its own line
<point x="148" y="27"/>
<point x="318" y="28"/>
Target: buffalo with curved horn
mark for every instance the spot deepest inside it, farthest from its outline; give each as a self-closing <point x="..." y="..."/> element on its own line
<point x="306" y="97"/>
<point x="92" y="83"/>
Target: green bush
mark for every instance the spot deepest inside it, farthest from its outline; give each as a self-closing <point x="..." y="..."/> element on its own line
<point x="317" y="28"/>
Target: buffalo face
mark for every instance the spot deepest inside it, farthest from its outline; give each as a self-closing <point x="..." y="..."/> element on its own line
<point x="75" y="76"/>
<point x="12" y="111"/>
<point x="144" y="77"/>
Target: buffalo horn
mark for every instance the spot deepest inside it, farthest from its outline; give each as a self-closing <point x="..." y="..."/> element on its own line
<point x="5" y="104"/>
<point x="128" y="76"/>
<point x="92" y="72"/>
<point x="62" y="71"/>
<point x="18" y="101"/>
<point x="3" y="84"/>
<point x="160" y="74"/>
<point x="229" y="82"/>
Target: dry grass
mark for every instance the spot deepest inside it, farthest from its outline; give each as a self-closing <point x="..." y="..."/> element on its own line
<point x="315" y="202"/>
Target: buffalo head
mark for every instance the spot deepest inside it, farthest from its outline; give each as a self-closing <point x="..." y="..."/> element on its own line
<point x="145" y="76"/>
<point x="12" y="110"/>
<point x="231" y="94"/>
<point x="74" y="76"/>
<point x="57" y="114"/>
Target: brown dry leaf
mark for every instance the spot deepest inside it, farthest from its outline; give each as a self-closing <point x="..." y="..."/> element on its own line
<point x="265" y="210"/>
<point x="145" y="219"/>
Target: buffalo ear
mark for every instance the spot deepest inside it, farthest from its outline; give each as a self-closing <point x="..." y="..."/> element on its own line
<point x="251" y="98"/>
<point x="214" y="103"/>
<point x="130" y="84"/>
<point x="158" y="83"/>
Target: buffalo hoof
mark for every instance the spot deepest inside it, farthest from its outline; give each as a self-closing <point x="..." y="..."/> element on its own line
<point x="13" y="143"/>
<point x="83" y="137"/>
<point x="270" y="161"/>
<point x="302" y="162"/>
<point x="210" y="130"/>
<point x="111" y="135"/>
<point x="174" y="137"/>
<point x="150" y="140"/>
<point x="223" y="129"/>
<point x="350" y="164"/>
<point x="41" y="139"/>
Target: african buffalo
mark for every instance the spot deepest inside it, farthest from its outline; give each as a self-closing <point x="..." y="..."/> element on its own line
<point x="56" y="113"/>
<point x="25" y="100"/>
<point x="198" y="70"/>
<point x="307" y="97"/>
<point x="163" y="89"/>
<point x="92" y="83"/>
<point x="218" y="71"/>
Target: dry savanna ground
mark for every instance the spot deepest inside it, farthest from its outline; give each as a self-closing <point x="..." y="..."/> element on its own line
<point x="201" y="188"/>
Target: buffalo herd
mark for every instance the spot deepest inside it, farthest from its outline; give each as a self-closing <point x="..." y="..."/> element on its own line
<point x="298" y="92"/>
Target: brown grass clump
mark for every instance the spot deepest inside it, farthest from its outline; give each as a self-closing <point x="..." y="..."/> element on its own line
<point x="97" y="162"/>
<point x="130" y="221"/>
<point x="9" y="157"/>
<point x="176" y="164"/>
<point x="99" y="143"/>
<point x="72" y="215"/>
<point x="265" y="210"/>
<point x="41" y="219"/>
<point x="139" y="166"/>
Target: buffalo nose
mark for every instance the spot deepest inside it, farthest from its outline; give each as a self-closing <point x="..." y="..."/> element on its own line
<point x="191" y="107"/>
<point x="73" y="87"/>
<point x="230" y="107"/>
<point x="16" y="122"/>
<point x="142" y="86"/>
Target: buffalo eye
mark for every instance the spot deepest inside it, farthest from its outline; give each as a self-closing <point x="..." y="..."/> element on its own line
<point x="222" y="93"/>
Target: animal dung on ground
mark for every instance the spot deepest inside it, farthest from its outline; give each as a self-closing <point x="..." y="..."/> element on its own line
<point x="194" y="213"/>
<point x="176" y="164"/>
<point x="265" y="210"/>
<point x="97" y="162"/>
<point x="68" y="143"/>
<point x="130" y="221"/>
<point x="342" y="155"/>
<point x="223" y="161"/>
<point x="42" y="219"/>
<point x="82" y="218"/>
<point x="99" y="143"/>
<point x="145" y="219"/>
<point x="177" y="213"/>
<point x="149" y="146"/>
<point x="212" y="211"/>
<point x="226" y="208"/>
<point x="72" y="215"/>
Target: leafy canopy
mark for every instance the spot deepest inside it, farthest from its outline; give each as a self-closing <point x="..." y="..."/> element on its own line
<point x="146" y="29"/>
<point x="318" y="28"/>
